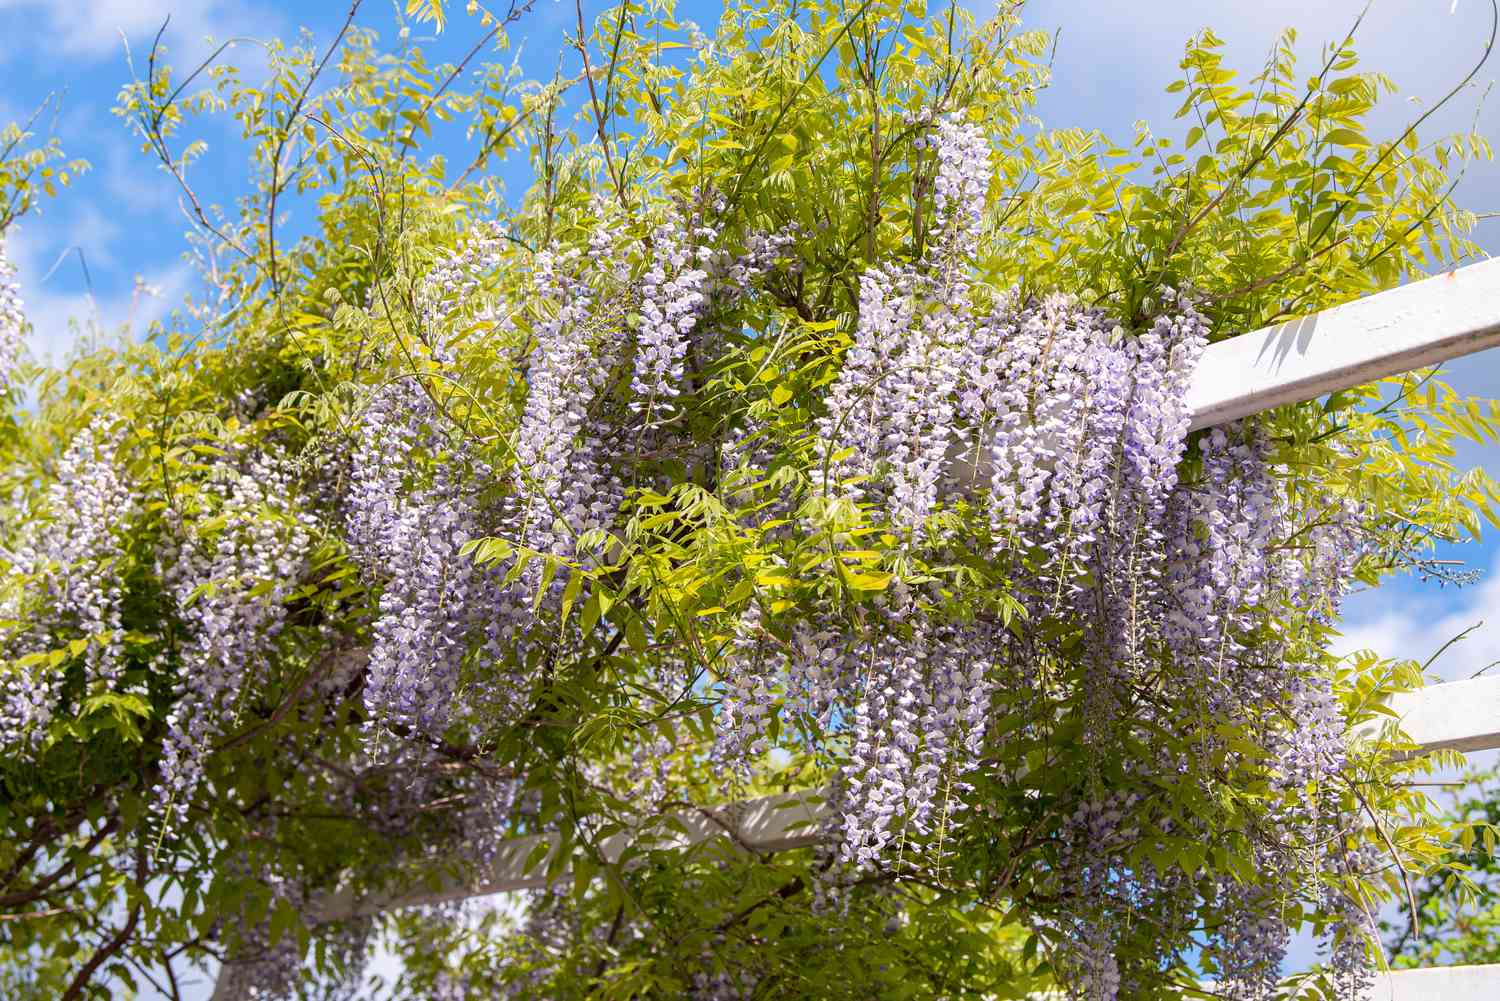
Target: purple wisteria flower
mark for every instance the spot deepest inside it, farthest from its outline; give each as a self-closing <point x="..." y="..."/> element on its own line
<point x="12" y="322"/>
<point x="64" y="582"/>
<point x="408" y="535"/>
<point x="230" y="573"/>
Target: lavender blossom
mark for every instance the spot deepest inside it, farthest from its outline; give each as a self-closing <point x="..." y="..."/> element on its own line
<point x="674" y="295"/>
<point x="231" y="587"/>
<point x="409" y="537"/>
<point x="74" y="559"/>
<point x="12" y="323"/>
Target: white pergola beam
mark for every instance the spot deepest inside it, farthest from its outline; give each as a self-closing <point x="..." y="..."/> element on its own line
<point x="1438" y="983"/>
<point x="765" y="825"/>
<point x="1456" y="716"/>
<point x="1405" y="328"/>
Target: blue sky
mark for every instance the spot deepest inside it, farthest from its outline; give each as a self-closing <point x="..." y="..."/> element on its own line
<point x="1112" y="63"/>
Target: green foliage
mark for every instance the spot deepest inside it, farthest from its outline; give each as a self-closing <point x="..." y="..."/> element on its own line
<point x="1457" y="918"/>
<point x="799" y="118"/>
<point x="28" y="170"/>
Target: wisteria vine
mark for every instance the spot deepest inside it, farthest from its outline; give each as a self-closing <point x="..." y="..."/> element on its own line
<point x="1033" y="434"/>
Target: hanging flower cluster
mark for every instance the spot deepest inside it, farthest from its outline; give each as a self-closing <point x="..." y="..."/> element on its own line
<point x="230" y="582"/>
<point x="408" y="537"/>
<point x="605" y="363"/>
<point x="12" y="322"/>
<point x="73" y="556"/>
<point x="1034" y="435"/>
<point x="673" y="298"/>
<point x="1067" y="436"/>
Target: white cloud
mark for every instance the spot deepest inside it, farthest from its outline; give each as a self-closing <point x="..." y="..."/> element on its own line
<point x="60" y="311"/>
<point x="92" y="30"/>
<point x="1395" y="623"/>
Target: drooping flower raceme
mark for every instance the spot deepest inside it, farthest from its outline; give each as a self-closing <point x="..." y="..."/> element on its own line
<point x="674" y="294"/>
<point x="12" y="322"/>
<point x="73" y="555"/>
<point x="1069" y="433"/>
<point x="230" y="581"/>
<point x="408" y="534"/>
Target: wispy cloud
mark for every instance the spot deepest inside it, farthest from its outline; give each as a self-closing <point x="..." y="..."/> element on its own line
<point x="55" y="286"/>
<point x="93" y="30"/>
<point x="1403" y="625"/>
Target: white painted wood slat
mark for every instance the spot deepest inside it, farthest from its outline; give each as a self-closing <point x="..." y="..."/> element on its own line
<point x="1410" y="327"/>
<point x="1459" y="715"/>
<point x="1439" y="983"/>
<point x="765" y="825"/>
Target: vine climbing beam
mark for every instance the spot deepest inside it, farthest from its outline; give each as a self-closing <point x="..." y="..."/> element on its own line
<point x="1399" y="330"/>
<point x="1459" y="715"/>
<point x="1414" y="326"/>
<point x="1406" y="328"/>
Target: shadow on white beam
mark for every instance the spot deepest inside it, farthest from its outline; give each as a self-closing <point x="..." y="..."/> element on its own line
<point x="1405" y="328"/>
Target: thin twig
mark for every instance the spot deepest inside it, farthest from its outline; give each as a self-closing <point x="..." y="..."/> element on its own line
<point x="286" y="135"/>
<point x="116" y="943"/>
<point x="588" y="75"/>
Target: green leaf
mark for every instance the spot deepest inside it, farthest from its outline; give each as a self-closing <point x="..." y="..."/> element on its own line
<point x="571" y="593"/>
<point x="635" y="633"/>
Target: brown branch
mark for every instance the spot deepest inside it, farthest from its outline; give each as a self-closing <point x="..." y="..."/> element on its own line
<point x="614" y="933"/>
<point x="45" y="829"/>
<point x="50" y="912"/>
<point x="166" y="962"/>
<point x="1285" y="272"/>
<point x="1411" y="898"/>
<point x="157" y="140"/>
<point x="588" y="75"/>
<point x="39" y="890"/>
<point x="292" y="698"/>
<point x="115" y="944"/>
<point x="286" y="135"/>
<point x="512" y="14"/>
<point x="786" y="892"/>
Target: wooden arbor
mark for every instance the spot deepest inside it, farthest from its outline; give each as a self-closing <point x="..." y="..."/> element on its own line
<point x="1406" y="328"/>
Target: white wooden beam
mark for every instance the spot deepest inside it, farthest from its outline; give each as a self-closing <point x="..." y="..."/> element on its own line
<point x="1457" y="716"/>
<point x="1438" y="983"/>
<point x="1405" y="328"/>
<point x="765" y="825"/>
